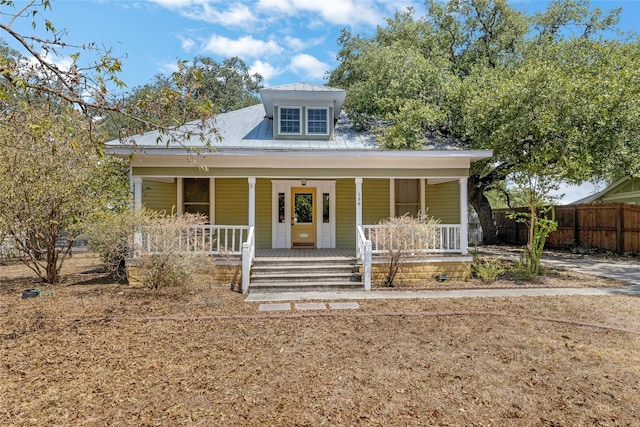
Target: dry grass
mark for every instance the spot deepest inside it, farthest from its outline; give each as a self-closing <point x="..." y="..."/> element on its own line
<point x="93" y="352"/>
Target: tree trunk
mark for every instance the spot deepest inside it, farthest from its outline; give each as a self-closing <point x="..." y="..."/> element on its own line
<point x="482" y="207"/>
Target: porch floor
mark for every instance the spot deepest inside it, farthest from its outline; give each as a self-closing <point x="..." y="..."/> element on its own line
<point x="319" y="254"/>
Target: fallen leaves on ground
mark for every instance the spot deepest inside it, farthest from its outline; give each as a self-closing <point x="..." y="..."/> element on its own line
<point x="93" y="352"/>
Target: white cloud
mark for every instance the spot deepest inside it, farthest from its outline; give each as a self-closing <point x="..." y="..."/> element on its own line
<point x="295" y="43"/>
<point x="244" y="47"/>
<point x="266" y="70"/>
<point x="308" y="67"/>
<point x="237" y="14"/>
<point x="188" y="44"/>
<point x="167" y="67"/>
<point x="336" y="12"/>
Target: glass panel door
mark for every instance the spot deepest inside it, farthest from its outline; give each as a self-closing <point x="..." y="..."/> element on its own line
<point x="303" y="229"/>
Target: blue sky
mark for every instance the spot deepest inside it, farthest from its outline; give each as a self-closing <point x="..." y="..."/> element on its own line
<point x="284" y="40"/>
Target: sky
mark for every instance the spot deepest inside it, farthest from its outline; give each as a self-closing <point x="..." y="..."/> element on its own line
<point x="286" y="41"/>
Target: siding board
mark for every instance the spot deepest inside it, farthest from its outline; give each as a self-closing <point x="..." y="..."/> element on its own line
<point x="375" y="200"/>
<point x="263" y="213"/>
<point x="159" y="196"/>
<point x="443" y="201"/>
<point x="232" y="201"/>
<point x="345" y="213"/>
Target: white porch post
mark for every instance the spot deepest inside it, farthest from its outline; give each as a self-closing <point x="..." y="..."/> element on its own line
<point x="180" y="196"/>
<point x="464" y="217"/>
<point x="252" y="201"/>
<point x="359" y="201"/>
<point x="137" y="193"/>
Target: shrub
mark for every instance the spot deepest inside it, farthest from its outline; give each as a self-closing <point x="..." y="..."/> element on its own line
<point x="486" y="269"/>
<point x="109" y="234"/>
<point x="161" y="257"/>
<point x="400" y="236"/>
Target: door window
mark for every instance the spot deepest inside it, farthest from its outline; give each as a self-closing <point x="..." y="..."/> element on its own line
<point x="303" y="208"/>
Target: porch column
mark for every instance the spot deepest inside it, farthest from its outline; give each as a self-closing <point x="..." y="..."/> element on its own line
<point x="252" y="201"/>
<point x="137" y="193"/>
<point x="358" y="201"/>
<point x="180" y="196"/>
<point x="464" y="217"/>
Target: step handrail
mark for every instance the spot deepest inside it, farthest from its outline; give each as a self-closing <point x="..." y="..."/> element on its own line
<point x="364" y="253"/>
<point x="248" y="255"/>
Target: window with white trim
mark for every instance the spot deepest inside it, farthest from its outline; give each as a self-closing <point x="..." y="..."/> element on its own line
<point x="290" y="120"/>
<point x="407" y="197"/>
<point x="196" y="196"/>
<point x="317" y="121"/>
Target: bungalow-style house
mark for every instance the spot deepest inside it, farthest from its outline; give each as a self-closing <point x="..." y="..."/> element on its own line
<point x="291" y="177"/>
<point x="625" y="190"/>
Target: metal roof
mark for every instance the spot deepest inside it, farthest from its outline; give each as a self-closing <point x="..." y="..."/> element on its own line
<point x="250" y="129"/>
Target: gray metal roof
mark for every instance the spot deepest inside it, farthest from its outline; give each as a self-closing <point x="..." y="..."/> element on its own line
<point x="250" y="129"/>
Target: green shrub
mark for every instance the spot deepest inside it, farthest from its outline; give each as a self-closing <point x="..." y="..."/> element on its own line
<point x="487" y="269"/>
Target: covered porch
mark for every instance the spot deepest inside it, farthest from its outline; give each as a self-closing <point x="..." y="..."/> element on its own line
<point x="344" y="216"/>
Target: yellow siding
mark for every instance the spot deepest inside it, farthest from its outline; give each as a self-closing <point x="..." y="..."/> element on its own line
<point x="159" y="196"/>
<point x="345" y="213"/>
<point x="263" y="213"/>
<point x="375" y="200"/>
<point x="232" y="201"/>
<point x="443" y="202"/>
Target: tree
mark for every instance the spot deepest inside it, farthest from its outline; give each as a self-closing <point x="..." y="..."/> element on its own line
<point x="492" y="78"/>
<point x="196" y="89"/>
<point x="35" y="67"/>
<point x="51" y="180"/>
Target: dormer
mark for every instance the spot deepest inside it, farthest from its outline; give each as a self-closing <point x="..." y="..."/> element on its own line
<point x="302" y="110"/>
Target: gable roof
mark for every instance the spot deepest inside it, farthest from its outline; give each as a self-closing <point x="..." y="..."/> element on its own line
<point x="612" y="190"/>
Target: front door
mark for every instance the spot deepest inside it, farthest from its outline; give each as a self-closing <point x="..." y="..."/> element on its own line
<point x="303" y="224"/>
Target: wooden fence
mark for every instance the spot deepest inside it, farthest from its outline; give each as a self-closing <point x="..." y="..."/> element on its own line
<point x="613" y="227"/>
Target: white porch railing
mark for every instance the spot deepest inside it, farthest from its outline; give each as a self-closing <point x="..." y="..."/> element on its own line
<point x="445" y="239"/>
<point x="204" y="239"/>
<point x="363" y="247"/>
<point x="248" y="254"/>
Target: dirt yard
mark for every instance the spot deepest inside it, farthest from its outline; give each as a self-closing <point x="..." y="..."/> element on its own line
<point x="92" y="352"/>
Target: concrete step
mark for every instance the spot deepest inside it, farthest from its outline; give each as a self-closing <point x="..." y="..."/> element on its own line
<point x="305" y="277"/>
<point x="305" y="287"/>
<point x="304" y="269"/>
<point x="305" y="274"/>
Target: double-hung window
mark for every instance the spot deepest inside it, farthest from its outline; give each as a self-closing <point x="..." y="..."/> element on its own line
<point x="290" y="122"/>
<point x="408" y="198"/>
<point x="317" y="121"/>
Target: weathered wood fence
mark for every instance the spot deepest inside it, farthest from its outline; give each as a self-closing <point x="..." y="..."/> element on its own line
<point x="609" y="226"/>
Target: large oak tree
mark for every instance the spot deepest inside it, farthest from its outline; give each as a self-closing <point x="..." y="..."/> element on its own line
<point x="547" y="93"/>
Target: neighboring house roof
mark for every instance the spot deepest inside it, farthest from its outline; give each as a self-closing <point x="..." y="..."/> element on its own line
<point x="626" y="189"/>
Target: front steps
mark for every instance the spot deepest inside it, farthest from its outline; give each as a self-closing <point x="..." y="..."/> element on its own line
<point x="271" y="274"/>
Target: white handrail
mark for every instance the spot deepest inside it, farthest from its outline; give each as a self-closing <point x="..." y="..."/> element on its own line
<point x="445" y="239"/>
<point x="248" y="254"/>
<point x="203" y="239"/>
<point x="363" y="247"/>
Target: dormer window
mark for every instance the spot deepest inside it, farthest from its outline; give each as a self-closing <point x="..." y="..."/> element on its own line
<point x="317" y="121"/>
<point x="290" y="120"/>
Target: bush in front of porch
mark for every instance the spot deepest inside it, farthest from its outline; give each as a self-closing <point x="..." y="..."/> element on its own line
<point x="403" y="236"/>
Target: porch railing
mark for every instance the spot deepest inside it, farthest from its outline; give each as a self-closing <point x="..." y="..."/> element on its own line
<point x="204" y="239"/>
<point x="363" y="247"/>
<point x="444" y="239"/>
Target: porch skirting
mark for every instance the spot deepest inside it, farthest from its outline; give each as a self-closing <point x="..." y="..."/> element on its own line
<point x="413" y="272"/>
